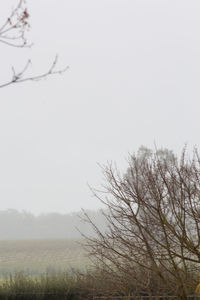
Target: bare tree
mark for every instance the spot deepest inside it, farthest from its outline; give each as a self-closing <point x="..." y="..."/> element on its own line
<point x="153" y="215"/>
<point x="13" y="34"/>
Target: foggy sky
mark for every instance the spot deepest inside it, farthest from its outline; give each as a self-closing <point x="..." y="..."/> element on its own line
<point x="133" y="80"/>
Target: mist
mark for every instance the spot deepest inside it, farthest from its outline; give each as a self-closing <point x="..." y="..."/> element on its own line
<point x="133" y="80"/>
<point x="25" y="226"/>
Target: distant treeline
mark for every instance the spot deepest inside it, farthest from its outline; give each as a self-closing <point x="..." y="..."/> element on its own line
<point x="25" y="225"/>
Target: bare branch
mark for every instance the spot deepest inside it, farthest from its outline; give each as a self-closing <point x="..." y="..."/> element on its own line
<point x="153" y="212"/>
<point x="14" y="29"/>
<point x="19" y="76"/>
<point x="13" y="33"/>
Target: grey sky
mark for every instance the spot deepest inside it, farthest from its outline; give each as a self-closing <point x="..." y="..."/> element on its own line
<point x="133" y="80"/>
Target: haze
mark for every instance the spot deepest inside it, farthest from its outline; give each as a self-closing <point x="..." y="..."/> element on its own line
<point x="133" y="80"/>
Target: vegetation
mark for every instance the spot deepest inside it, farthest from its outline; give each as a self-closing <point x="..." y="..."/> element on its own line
<point x="48" y="286"/>
<point x="153" y="212"/>
<point x="13" y="33"/>
<point x="76" y="285"/>
<point x="23" y="225"/>
<point x="35" y="257"/>
<point x="150" y="246"/>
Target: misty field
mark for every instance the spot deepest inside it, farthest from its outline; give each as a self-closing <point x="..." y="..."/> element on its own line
<point x="39" y="256"/>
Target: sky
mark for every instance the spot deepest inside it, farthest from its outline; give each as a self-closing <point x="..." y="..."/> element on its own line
<point x="133" y="79"/>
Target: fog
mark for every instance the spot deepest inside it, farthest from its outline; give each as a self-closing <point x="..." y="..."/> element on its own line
<point x="133" y="80"/>
<point x="25" y="226"/>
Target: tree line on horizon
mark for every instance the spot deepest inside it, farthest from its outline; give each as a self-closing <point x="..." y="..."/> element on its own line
<point x="25" y="225"/>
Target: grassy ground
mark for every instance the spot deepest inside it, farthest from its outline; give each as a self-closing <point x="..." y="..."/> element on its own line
<point x="38" y="256"/>
<point x="48" y="286"/>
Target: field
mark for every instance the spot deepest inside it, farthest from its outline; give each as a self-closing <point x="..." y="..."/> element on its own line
<point x="38" y="256"/>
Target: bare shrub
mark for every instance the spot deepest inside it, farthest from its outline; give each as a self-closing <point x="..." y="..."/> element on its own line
<point x="153" y="215"/>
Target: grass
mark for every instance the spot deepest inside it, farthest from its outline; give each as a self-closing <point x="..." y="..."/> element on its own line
<point x="48" y="286"/>
<point x="35" y="257"/>
<point x="42" y="269"/>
